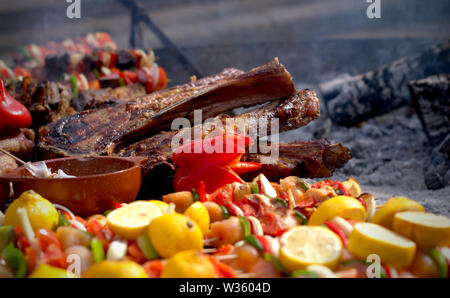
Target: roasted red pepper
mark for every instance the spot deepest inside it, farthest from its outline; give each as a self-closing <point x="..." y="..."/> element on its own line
<point x="338" y="231"/>
<point x="12" y="112"/>
<point x="212" y="161"/>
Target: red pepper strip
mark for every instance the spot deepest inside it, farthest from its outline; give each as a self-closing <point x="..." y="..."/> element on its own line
<point x="12" y="112"/>
<point x="31" y="256"/>
<point x="224" y="249"/>
<point x="244" y="167"/>
<point x="22" y="242"/>
<point x="341" y="187"/>
<point x="50" y="245"/>
<point x="201" y="190"/>
<point x="307" y="203"/>
<point x="135" y="253"/>
<point x="117" y="205"/>
<point x="269" y="223"/>
<point x="362" y="202"/>
<point x="153" y="268"/>
<point x="338" y="231"/>
<point x="387" y="270"/>
<point x="267" y="247"/>
<point x="222" y="270"/>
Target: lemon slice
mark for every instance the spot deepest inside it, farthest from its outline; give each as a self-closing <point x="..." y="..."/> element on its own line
<point x="304" y="245"/>
<point x="384" y="215"/>
<point x="425" y="229"/>
<point x="393" y="249"/>
<point x="115" y="269"/>
<point x="343" y="206"/>
<point x="160" y="204"/>
<point x="130" y="221"/>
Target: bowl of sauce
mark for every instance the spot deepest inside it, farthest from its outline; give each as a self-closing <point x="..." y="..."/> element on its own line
<point x="93" y="186"/>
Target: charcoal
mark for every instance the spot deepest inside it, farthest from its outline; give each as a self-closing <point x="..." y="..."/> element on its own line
<point x="431" y="99"/>
<point x="353" y="99"/>
<point x="437" y="172"/>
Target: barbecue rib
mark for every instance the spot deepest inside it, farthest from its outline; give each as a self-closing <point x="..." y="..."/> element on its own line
<point x="312" y="159"/>
<point x="105" y="131"/>
<point x="308" y="159"/>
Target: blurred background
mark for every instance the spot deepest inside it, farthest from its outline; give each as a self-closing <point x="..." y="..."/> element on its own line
<point x="318" y="42"/>
<point x="312" y="38"/>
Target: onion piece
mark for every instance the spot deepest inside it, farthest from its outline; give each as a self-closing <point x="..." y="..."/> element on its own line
<point x="117" y="250"/>
<point x="256" y="225"/>
<point x="321" y="271"/>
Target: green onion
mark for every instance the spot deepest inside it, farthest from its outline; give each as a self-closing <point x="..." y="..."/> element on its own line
<point x="63" y="222"/>
<point x="75" y="89"/>
<point x="145" y="245"/>
<point x="245" y="225"/>
<point x="276" y="263"/>
<point x="439" y="259"/>
<point x="96" y="73"/>
<point x="7" y="236"/>
<point x="254" y="188"/>
<point x="252" y="240"/>
<point x="195" y="195"/>
<point x="282" y="202"/>
<point x="225" y="212"/>
<point x="97" y="250"/>
<point x="15" y="259"/>
<point x="383" y="273"/>
<point x="303" y="184"/>
<point x="304" y="273"/>
<point x="302" y="217"/>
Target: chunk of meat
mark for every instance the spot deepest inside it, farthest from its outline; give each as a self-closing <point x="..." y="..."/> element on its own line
<point x="228" y="231"/>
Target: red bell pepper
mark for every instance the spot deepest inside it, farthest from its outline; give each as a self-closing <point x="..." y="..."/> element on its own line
<point x="201" y="190"/>
<point x="212" y="161"/>
<point x="222" y="270"/>
<point x="50" y="245"/>
<point x="12" y="112"/>
<point x="338" y="231"/>
<point x="153" y="268"/>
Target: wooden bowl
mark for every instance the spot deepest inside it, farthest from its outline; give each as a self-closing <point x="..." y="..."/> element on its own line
<point x="100" y="181"/>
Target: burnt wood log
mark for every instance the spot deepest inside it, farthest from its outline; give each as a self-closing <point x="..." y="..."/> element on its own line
<point x="431" y="99"/>
<point x="437" y="171"/>
<point x="353" y="99"/>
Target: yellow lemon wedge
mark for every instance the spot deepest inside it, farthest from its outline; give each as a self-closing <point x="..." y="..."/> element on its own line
<point x="160" y="204"/>
<point x="392" y="248"/>
<point x="41" y="213"/>
<point x="174" y="232"/>
<point x="353" y="187"/>
<point x="343" y="206"/>
<point x="306" y="245"/>
<point x="198" y="213"/>
<point x="188" y="264"/>
<point x="384" y="215"/>
<point x="425" y="229"/>
<point x="131" y="220"/>
<point x="115" y="269"/>
<point x="47" y="271"/>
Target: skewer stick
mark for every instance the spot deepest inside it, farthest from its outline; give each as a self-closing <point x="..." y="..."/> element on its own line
<point x="12" y="156"/>
<point x="226" y="257"/>
<point x="209" y="250"/>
